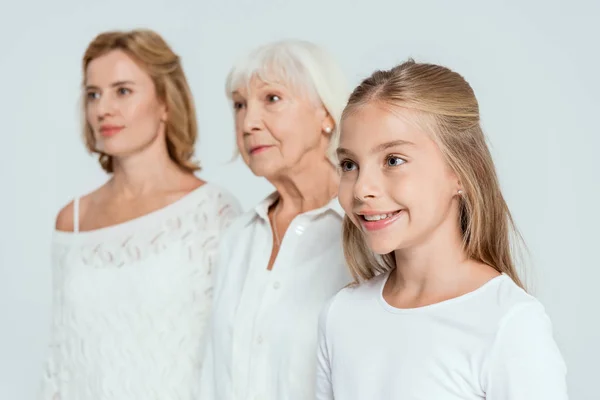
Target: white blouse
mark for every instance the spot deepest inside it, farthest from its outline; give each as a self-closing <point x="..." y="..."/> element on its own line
<point x="131" y="302"/>
<point x="263" y="339"/>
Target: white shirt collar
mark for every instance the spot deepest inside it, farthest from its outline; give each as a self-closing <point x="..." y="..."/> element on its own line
<point x="261" y="209"/>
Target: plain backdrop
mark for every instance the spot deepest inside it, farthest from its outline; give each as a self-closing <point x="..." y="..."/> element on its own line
<point x="533" y="64"/>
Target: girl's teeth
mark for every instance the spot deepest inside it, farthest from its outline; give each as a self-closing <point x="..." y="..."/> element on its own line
<point x="377" y="217"/>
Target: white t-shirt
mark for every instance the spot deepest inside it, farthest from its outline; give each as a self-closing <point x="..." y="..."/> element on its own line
<point x="494" y="343"/>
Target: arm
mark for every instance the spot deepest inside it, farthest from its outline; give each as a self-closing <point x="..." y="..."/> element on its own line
<point x="49" y="389"/>
<point x="324" y="387"/>
<point x="229" y="209"/>
<point x="207" y="376"/>
<point x="525" y="362"/>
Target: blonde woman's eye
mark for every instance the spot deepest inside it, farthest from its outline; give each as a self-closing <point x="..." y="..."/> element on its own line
<point x="394" y="161"/>
<point x="93" y="95"/>
<point x="123" y="91"/>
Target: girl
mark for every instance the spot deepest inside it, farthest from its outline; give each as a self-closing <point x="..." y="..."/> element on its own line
<point x="437" y="310"/>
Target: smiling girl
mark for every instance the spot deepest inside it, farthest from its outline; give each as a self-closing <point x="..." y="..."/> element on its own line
<point x="437" y="310"/>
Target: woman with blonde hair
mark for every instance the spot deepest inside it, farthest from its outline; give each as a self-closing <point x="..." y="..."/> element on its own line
<point x="282" y="260"/>
<point x="133" y="259"/>
<point x="437" y="309"/>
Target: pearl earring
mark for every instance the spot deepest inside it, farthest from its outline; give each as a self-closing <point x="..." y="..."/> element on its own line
<point x="460" y="192"/>
<point x="328" y="129"/>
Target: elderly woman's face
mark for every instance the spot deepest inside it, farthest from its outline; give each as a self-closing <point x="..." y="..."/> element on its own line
<point x="278" y="129"/>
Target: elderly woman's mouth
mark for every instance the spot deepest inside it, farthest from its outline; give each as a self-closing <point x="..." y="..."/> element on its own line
<point x="259" y="149"/>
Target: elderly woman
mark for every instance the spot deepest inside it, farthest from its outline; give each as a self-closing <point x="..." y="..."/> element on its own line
<point x="281" y="261"/>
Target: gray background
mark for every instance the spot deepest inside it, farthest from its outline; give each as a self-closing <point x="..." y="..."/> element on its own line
<point x="533" y="64"/>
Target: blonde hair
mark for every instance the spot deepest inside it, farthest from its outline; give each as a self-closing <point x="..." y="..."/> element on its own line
<point x="301" y="65"/>
<point x="154" y="55"/>
<point x="447" y="105"/>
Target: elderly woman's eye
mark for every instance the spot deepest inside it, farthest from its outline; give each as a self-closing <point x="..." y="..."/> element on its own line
<point x="273" y="98"/>
<point x="238" y="105"/>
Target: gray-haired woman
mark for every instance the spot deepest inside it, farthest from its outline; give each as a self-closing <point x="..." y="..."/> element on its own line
<point x="282" y="260"/>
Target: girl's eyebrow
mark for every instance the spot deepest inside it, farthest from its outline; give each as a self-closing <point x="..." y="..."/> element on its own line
<point x="377" y="149"/>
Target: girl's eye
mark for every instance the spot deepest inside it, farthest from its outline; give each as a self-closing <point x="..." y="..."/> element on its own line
<point x="273" y="98"/>
<point x="93" y="95"/>
<point x="347" y="166"/>
<point x="394" y="161"/>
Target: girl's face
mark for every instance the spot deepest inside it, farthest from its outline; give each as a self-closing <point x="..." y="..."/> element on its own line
<point x="395" y="183"/>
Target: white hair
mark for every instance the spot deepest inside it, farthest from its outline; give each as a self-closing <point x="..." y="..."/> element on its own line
<point x="301" y="65"/>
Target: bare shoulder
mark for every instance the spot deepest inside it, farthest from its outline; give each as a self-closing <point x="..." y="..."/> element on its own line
<point x="193" y="183"/>
<point x="482" y="273"/>
<point x="65" y="218"/>
<point x="187" y="184"/>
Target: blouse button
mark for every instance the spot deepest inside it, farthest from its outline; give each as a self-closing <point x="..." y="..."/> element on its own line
<point x="276" y="285"/>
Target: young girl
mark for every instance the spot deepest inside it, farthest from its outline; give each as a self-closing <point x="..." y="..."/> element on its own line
<point x="437" y="310"/>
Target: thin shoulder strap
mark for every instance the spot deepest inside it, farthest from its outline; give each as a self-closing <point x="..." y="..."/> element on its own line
<point x="76" y="215"/>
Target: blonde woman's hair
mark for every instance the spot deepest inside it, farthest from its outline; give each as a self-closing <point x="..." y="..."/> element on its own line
<point x="154" y="55"/>
<point x="301" y="65"/>
<point x="447" y="108"/>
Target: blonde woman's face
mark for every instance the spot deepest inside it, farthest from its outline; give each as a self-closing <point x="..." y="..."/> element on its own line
<point x="395" y="184"/>
<point x="122" y="107"/>
<point x="278" y="130"/>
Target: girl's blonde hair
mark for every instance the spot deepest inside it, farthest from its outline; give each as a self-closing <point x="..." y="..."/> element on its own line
<point x="154" y="55"/>
<point x="448" y="110"/>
